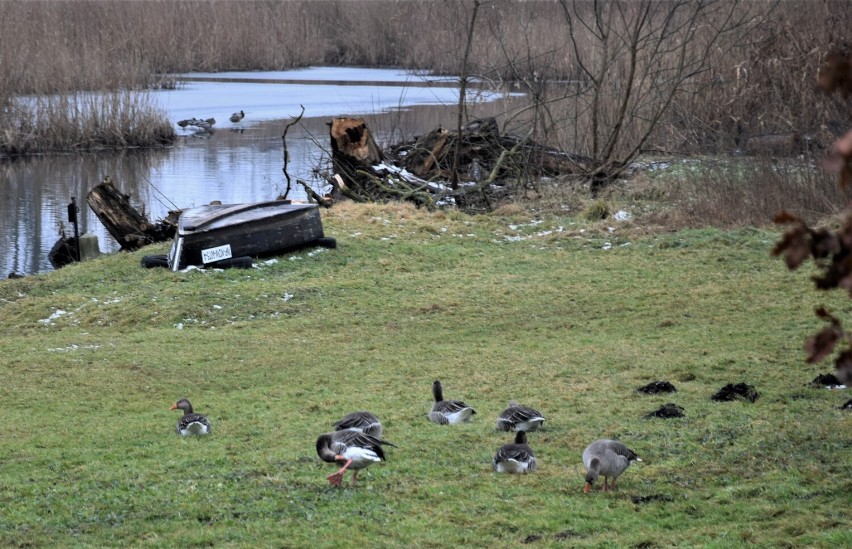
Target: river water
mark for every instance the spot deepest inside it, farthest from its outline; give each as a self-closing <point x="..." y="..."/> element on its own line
<point x="240" y="162"/>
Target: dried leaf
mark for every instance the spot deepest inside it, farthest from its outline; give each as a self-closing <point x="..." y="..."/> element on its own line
<point x="795" y="245"/>
<point x="821" y="344"/>
<point x="823" y="313"/>
<point x="843" y="363"/>
<point x="835" y="74"/>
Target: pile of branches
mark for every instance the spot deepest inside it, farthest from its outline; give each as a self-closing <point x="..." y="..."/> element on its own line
<point x="475" y="169"/>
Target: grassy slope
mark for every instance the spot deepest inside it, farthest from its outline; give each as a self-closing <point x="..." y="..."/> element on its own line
<point x="88" y="455"/>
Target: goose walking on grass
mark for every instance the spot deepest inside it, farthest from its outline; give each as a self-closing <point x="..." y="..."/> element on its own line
<point x="190" y="423"/>
<point x="515" y="458"/>
<point x="237" y="116"/>
<point x="351" y="450"/>
<point x="447" y="412"/>
<point x="607" y="458"/>
<point x="363" y="422"/>
<point x="519" y="418"/>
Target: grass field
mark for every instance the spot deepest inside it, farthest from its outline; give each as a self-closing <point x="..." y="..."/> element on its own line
<point x="560" y="314"/>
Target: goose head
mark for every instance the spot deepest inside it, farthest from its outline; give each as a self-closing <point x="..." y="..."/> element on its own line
<point x="592" y="474"/>
<point x="437" y="391"/>
<point x="182" y="404"/>
<point x="324" y="450"/>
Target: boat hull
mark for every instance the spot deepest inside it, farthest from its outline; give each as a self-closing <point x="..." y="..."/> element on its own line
<point x="209" y="234"/>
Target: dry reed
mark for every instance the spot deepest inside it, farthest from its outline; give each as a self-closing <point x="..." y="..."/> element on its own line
<point x="758" y="78"/>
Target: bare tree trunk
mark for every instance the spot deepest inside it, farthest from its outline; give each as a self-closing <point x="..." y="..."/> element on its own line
<point x="454" y="177"/>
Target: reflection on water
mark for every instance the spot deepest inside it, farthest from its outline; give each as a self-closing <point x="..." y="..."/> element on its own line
<point x="231" y="166"/>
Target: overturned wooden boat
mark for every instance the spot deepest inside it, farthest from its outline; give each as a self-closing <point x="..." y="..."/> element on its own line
<point x="224" y="234"/>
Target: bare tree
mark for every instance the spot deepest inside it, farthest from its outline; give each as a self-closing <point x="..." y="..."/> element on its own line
<point x="631" y="60"/>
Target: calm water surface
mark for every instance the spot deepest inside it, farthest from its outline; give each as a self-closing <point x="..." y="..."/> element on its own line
<point x="238" y="163"/>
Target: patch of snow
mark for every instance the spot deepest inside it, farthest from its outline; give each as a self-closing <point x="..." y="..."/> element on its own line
<point x="621" y="215"/>
<point x="72" y="347"/>
<point x="606" y="246"/>
<point x="56" y="314"/>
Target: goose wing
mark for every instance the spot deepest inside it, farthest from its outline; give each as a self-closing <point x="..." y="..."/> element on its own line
<point x="187" y="420"/>
<point x="518" y="414"/>
<point x="450" y="406"/>
<point x="360" y="421"/>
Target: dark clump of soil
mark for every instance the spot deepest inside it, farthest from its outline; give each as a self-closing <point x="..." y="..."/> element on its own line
<point x="567" y="534"/>
<point x="667" y="411"/>
<point x="847" y="406"/>
<point x="532" y="538"/>
<point x="735" y="392"/>
<point x="657" y="387"/>
<point x="648" y="499"/>
<point x="826" y="380"/>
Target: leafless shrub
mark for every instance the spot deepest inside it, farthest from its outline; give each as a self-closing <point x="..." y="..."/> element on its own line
<point x="738" y="192"/>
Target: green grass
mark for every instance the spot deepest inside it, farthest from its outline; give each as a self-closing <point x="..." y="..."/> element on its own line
<point x="496" y="308"/>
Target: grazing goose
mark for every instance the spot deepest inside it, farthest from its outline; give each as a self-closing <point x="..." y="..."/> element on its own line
<point x="350" y="449"/>
<point x="363" y="422"/>
<point x="445" y="412"/>
<point x="608" y="458"/>
<point x="515" y="458"/>
<point x="519" y="418"/>
<point x="190" y="423"/>
<point x="237" y="116"/>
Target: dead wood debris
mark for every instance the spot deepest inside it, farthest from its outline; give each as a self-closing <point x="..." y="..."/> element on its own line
<point x="490" y="165"/>
<point x="130" y="228"/>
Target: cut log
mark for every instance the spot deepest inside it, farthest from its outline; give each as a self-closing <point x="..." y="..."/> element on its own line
<point x="131" y="229"/>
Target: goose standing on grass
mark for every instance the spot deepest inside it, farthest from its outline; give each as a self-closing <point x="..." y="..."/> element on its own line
<point x="447" y="412"/>
<point x="519" y="418"/>
<point x="351" y="450"/>
<point x="237" y="116"/>
<point x="517" y="457"/>
<point x="190" y="423"/>
<point x="607" y="458"/>
<point x="363" y="422"/>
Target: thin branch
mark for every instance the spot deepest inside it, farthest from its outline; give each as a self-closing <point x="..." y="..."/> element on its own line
<point x="286" y="153"/>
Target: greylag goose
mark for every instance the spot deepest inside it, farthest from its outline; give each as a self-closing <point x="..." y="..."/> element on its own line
<point x="237" y="116"/>
<point x="515" y="458"/>
<point x="363" y="422"/>
<point x="607" y="458"/>
<point x="190" y="423"/>
<point x="519" y="418"/>
<point x="351" y="450"/>
<point x="445" y="412"/>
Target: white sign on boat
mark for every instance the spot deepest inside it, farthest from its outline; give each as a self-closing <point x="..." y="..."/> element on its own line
<point x="216" y="254"/>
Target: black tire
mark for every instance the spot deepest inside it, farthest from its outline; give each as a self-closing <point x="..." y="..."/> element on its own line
<point x="326" y="242"/>
<point x="242" y="262"/>
<point x="151" y="261"/>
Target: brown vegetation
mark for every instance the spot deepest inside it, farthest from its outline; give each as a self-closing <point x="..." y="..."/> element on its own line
<point x="606" y="80"/>
<point x="79" y="121"/>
